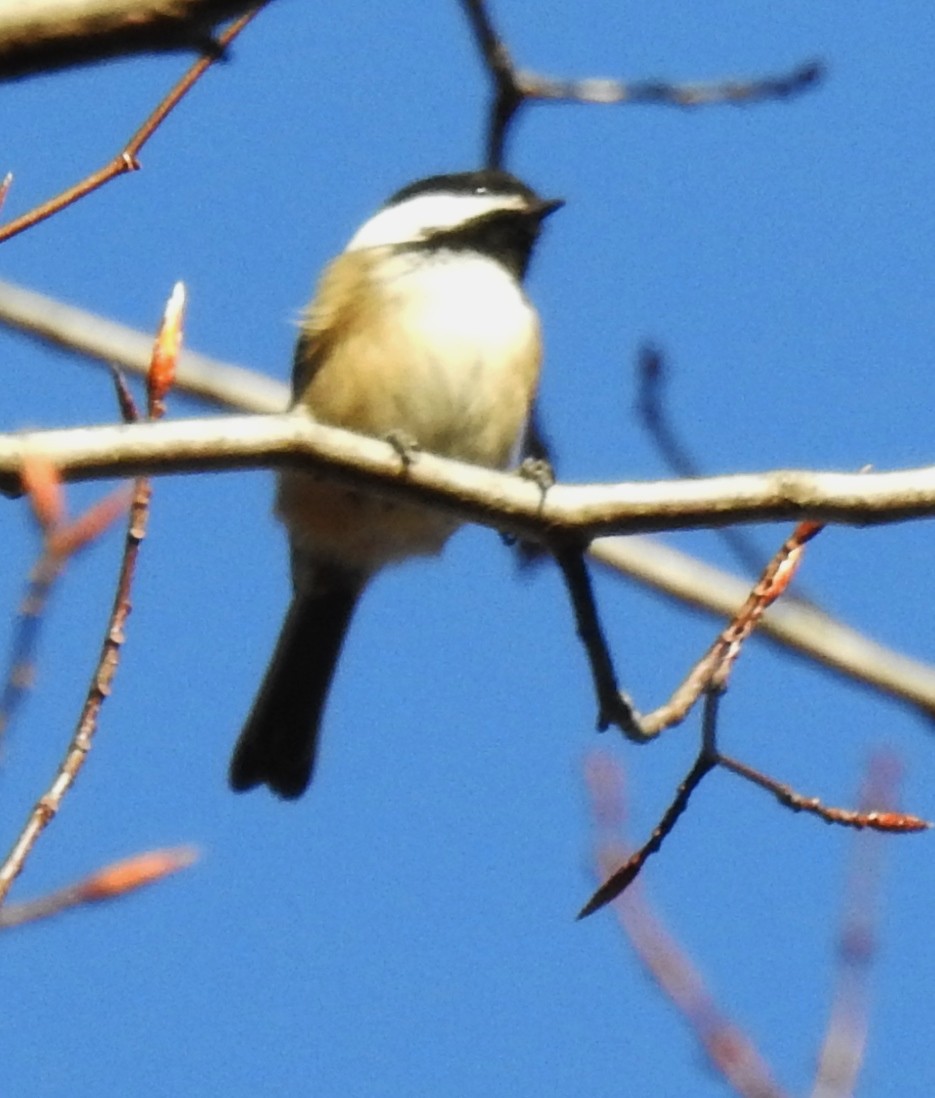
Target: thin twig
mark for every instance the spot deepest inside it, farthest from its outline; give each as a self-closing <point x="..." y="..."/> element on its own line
<point x="774" y="582"/>
<point x="714" y="667"/>
<point x="800" y="628"/>
<point x="47" y="806"/>
<point x="515" y="88"/>
<point x="21" y="673"/>
<point x="127" y="160"/>
<point x="709" y="677"/>
<point x="614" y="707"/>
<point x="709" y="758"/>
<point x="711" y="671"/>
<point x="735" y="92"/>
<point x="624" y="875"/>
<point x="507" y="98"/>
<point x="102" y="678"/>
<point x="62" y="539"/>
<point x="729" y="1049"/>
<point x="109" y="883"/>
<point x="891" y="822"/>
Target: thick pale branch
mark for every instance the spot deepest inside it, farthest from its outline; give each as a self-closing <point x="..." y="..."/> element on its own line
<point x="45" y="35"/>
<point x="101" y="339"/>
<point x="662" y="567"/>
<point x="501" y="500"/>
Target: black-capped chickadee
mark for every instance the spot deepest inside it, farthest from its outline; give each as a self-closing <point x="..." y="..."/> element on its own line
<point x="420" y="329"/>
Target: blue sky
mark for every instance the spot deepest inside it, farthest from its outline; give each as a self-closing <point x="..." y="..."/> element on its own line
<point x="408" y="927"/>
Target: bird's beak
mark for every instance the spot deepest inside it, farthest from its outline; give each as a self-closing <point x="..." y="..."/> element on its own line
<point x="546" y="206"/>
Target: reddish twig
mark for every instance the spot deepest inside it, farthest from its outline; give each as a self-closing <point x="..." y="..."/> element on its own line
<point x="713" y="669"/>
<point x="772" y="583"/>
<point x="127" y="160"/>
<point x="61" y="540"/>
<point x="109" y="883"/>
<point x="729" y="1049"/>
<point x="710" y="672"/>
<point x="45" y="809"/>
<point x="624" y="875"/>
<point x="709" y="758"/>
<point x="892" y="822"/>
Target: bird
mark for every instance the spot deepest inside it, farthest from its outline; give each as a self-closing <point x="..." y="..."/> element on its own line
<point x="421" y="332"/>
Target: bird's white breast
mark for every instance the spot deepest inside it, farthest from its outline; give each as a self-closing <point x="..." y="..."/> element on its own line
<point x="445" y="354"/>
<point x="470" y="340"/>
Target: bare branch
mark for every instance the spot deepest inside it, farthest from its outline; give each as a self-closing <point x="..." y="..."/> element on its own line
<point x="102" y="340"/>
<point x="164" y="353"/>
<point x="712" y="671"/>
<point x="795" y="625"/>
<point x="842" y="1051"/>
<point x="709" y="758"/>
<point x="127" y="160"/>
<point x="730" y="1050"/>
<point x="652" y="412"/>
<point x="804" y="628"/>
<point x="108" y="883"/>
<point x="620" y="878"/>
<point x="501" y="500"/>
<point x="514" y="88"/>
<point x="891" y="822"/>
<point x="46" y="35"/>
<point x="614" y="707"/>
<point x="61" y="540"/>
<point x="507" y="97"/>
<point x="737" y="92"/>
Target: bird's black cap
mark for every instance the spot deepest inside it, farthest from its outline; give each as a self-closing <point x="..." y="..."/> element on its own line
<point x="485" y="181"/>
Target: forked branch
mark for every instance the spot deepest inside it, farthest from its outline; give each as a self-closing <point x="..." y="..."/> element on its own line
<point x="515" y="87"/>
<point x="127" y="160"/>
<point x="709" y="678"/>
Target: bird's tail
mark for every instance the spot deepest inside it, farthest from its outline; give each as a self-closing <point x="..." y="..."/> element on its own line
<point x="280" y="739"/>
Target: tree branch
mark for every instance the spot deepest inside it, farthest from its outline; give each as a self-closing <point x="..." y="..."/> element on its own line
<point x="796" y="625"/>
<point x="163" y="359"/>
<point x="813" y="633"/>
<point x="46" y="35"/>
<point x="515" y="87"/>
<point x="729" y="1049"/>
<point x="501" y="500"/>
<point x="96" y="337"/>
<point x="127" y="160"/>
